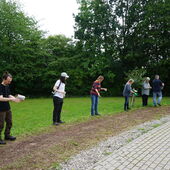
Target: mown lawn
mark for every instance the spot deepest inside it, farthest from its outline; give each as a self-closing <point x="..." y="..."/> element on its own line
<point x="35" y="115"/>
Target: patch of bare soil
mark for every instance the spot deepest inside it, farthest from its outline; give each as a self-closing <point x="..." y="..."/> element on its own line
<point x="45" y="150"/>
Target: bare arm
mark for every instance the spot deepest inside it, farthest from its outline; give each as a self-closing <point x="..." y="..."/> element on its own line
<point x="105" y="89"/>
<point x="97" y="92"/>
<point x="6" y="99"/>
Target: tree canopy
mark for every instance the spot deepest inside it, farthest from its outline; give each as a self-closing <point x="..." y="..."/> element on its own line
<point x="113" y="38"/>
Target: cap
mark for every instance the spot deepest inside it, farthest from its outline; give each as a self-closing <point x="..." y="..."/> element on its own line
<point x="63" y="74"/>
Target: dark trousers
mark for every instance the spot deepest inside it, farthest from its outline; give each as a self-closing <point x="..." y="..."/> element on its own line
<point x="144" y="100"/>
<point x="5" y="116"/>
<point x="58" y="103"/>
<point x="126" y="105"/>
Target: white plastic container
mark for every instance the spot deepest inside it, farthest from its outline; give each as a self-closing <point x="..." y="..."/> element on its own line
<point x="21" y="97"/>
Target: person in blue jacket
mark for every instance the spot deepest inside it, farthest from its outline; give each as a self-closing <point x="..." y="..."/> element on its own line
<point x="157" y="86"/>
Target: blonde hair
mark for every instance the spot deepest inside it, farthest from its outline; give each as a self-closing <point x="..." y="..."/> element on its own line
<point x="131" y="80"/>
<point x="147" y="78"/>
<point x="100" y="78"/>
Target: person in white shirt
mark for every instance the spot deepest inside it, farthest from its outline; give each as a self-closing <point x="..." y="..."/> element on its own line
<point x="59" y="94"/>
<point x="145" y="91"/>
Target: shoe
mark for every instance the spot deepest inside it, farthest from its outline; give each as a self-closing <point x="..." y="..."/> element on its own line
<point x="2" y="142"/>
<point x="92" y="115"/>
<point x="159" y="104"/>
<point x="11" y="138"/>
<point x="97" y="114"/>
<point x="55" y="123"/>
<point x="60" y="122"/>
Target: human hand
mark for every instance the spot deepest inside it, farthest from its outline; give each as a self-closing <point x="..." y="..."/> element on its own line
<point x="16" y="100"/>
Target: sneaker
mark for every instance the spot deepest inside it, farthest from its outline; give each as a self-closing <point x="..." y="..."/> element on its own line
<point x="2" y="142"/>
<point x="11" y="138"/>
<point x="159" y="104"/>
<point x="97" y="114"/>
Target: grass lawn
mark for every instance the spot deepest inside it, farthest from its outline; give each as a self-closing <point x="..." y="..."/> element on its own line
<point x="35" y="115"/>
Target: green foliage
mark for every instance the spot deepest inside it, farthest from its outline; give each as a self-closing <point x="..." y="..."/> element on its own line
<point x="112" y="38"/>
<point x="137" y="75"/>
<point x="19" y="46"/>
<point x="95" y="30"/>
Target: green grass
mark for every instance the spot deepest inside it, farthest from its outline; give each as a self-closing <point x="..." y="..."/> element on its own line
<point x="35" y="115"/>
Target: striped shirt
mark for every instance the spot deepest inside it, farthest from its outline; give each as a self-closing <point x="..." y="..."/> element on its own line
<point x="96" y="85"/>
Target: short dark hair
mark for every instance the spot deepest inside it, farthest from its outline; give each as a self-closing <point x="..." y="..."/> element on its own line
<point x="6" y="75"/>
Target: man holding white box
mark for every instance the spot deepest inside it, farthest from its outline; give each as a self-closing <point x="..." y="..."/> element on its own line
<point x="5" y="110"/>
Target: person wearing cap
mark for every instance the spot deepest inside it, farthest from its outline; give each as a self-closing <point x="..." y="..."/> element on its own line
<point x="58" y="95"/>
<point x="5" y="109"/>
<point x="145" y="91"/>
<point x="157" y="86"/>
<point x="95" y="93"/>
<point x="126" y="93"/>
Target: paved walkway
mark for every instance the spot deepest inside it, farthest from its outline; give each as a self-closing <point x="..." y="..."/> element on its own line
<point x="150" y="151"/>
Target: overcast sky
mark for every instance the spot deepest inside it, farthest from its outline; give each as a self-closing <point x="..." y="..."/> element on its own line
<point x="54" y="16"/>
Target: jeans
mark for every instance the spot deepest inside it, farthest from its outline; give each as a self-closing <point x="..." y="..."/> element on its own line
<point x="155" y="95"/>
<point x="58" y="103"/>
<point x="5" y="116"/>
<point x="126" y="105"/>
<point x="94" y="104"/>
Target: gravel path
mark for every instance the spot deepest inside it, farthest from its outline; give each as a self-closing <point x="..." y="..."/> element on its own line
<point x="87" y="158"/>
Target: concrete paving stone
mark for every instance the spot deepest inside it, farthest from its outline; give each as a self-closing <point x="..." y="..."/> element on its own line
<point x="144" y="167"/>
<point x="130" y="166"/>
<point x="150" y="151"/>
<point x="153" y="165"/>
<point x="135" y="168"/>
<point x="167" y="167"/>
<point x="149" y="168"/>
<point x="159" y="168"/>
<point x="98" y="167"/>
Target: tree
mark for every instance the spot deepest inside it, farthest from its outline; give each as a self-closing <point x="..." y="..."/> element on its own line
<point x="19" y="45"/>
<point x="95" y="31"/>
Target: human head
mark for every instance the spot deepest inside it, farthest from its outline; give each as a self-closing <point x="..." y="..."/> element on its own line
<point x="63" y="77"/>
<point x="156" y="76"/>
<point x="130" y="81"/>
<point x="147" y="79"/>
<point x="6" y="78"/>
<point x="64" y="74"/>
<point x="100" y="78"/>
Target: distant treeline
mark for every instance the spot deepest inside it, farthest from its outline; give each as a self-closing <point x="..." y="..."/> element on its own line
<point x="113" y="38"/>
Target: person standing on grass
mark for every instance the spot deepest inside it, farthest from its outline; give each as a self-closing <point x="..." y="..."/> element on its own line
<point x="59" y="94"/>
<point x="126" y="93"/>
<point x="145" y="91"/>
<point x="157" y="86"/>
<point x="5" y="110"/>
<point x="95" y="94"/>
